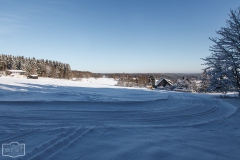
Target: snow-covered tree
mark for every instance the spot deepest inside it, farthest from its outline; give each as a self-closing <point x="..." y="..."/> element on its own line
<point x="152" y="80"/>
<point x="224" y="62"/>
<point x="44" y="68"/>
<point x="204" y="82"/>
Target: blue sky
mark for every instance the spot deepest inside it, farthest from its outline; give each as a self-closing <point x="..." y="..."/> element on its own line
<point x="106" y="36"/>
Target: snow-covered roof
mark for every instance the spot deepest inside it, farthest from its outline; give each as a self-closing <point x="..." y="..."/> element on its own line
<point x="161" y="79"/>
<point x="184" y="80"/>
<point x="18" y="71"/>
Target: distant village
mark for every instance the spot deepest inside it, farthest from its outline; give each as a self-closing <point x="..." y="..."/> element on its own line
<point x="33" y="68"/>
<point x="176" y="83"/>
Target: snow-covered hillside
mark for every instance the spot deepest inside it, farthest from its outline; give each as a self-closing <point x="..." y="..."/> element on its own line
<point x="94" y="119"/>
<point x="48" y="89"/>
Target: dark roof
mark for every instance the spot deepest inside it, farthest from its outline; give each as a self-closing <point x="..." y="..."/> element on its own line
<point x="163" y="82"/>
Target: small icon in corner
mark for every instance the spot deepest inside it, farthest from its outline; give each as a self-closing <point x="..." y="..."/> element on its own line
<point x="13" y="149"/>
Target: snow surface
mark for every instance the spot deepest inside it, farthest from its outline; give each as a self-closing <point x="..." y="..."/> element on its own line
<point x="94" y="119"/>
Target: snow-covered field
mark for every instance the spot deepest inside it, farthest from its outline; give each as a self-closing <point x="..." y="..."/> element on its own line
<point x="94" y="119"/>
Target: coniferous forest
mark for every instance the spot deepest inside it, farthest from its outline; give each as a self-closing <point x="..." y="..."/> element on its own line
<point x="33" y="66"/>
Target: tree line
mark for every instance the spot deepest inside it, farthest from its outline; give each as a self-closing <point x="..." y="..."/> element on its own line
<point x="40" y="67"/>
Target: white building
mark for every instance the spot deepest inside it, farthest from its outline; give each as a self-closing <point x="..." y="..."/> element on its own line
<point x="16" y="73"/>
